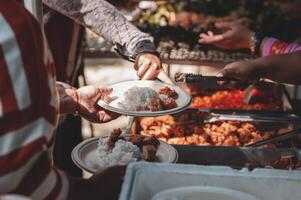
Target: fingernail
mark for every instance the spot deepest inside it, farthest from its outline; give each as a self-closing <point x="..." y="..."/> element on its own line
<point x="219" y="74"/>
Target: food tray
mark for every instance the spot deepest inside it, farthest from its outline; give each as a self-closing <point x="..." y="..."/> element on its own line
<point x="201" y="57"/>
<point x="201" y="89"/>
<point x="190" y="119"/>
<point x="142" y="181"/>
<point x="235" y="157"/>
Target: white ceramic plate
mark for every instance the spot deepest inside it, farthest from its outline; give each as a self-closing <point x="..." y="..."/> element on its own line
<point x="85" y="154"/>
<point x="183" y="101"/>
<point x="202" y="193"/>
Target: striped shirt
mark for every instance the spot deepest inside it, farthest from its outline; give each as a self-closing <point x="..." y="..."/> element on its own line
<point x="28" y="108"/>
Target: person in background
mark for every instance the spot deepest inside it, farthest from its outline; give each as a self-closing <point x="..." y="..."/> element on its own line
<point x="280" y="61"/>
<point x="238" y="36"/>
<point x="30" y="103"/>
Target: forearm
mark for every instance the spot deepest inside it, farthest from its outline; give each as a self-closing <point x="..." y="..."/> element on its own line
<point x="281" y="68"/>
<point x="68" y="99"/>
<point x="105" y="20"/>
<point x="273" y="46"/>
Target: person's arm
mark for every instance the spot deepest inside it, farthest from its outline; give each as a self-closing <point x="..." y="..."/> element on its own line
<point x="272" y="46"/>
<point x="238" y="36"/>
<point x="284" y="68"/>
<point x="83" y="101"/>
<point x="105" y="20"/>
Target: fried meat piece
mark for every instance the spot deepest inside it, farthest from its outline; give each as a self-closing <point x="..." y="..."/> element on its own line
<point x="156" y="105"/>
<point x="114" y="137"/>
<point x="169" y="103"/>
<point x="153" y="141"/>
<point x="149" y="152"/>
<point x="168" y="92"/>
<point x="137" y="140"/>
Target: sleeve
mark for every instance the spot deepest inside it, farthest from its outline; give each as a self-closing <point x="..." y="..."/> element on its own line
<point x="105" y="20"/>
<point x="273" y="46"/>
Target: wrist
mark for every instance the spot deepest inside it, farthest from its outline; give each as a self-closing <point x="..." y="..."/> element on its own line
<point x="68" y="97"/>
<point x="144" y="46"/>
<point x="74" y="100"/>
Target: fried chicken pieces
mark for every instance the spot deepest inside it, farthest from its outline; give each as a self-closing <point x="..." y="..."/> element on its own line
<point x="169" y="102"/>
<point x="168" y="92"/>
<point x="187" y="130"/>
<point x="148" y="145"/>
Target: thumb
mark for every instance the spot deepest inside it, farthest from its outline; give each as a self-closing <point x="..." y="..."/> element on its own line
<point x="103" y="92"/>
<point x="231" y="70"/>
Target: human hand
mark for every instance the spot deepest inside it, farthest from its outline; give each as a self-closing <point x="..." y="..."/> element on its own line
<point x="149" y="67"/>
<point x="236" y="36"/>
<point x="245" y="70"/>
<point x="87" y="107"/>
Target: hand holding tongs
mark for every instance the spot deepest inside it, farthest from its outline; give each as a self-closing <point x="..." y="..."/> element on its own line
<point x="121" y="50"/>
<point x="277" y="138"/>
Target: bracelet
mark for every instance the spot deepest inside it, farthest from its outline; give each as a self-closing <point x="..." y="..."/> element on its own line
<point x="256" y="43"/>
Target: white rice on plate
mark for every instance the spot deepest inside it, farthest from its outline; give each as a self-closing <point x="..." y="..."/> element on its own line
<point x="123" y="153"/>
<point x="139" y="99"/>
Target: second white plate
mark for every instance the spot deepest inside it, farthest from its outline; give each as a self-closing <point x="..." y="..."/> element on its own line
<point x="183" y="101"/>
<point x="86" y="156"/>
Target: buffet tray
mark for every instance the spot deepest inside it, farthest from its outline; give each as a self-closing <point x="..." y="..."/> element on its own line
<point x="143" y="181"/>
<point x="235" y="157"/>
<point x="196" y="89"/>
<point x="195" y="116"/>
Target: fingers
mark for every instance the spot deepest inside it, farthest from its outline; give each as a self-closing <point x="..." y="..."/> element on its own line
<point x="162" y="76"/>
<point x="211" y="38"/>
<point x="105" y="91"/>
<point x="230" y="70"/>
<point x="149" y="67"/>
<point x="106" y="116"/>
<point x="143" y="69"/>
<point x="151" y="73"/>
<point x="244" y="70"/>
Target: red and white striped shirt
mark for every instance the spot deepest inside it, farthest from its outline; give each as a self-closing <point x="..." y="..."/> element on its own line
<point x="28" y="109"/>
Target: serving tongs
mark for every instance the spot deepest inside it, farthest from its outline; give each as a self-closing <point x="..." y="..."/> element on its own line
<point x="278" y="138"/>
<point x="195" y="78"/>
<point x="122" y="52"/>
<point x="211" y="117"/>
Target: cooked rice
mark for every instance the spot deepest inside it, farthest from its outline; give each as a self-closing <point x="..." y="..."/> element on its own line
<point x="141" y="99"/>
<point x="123" y="153"/>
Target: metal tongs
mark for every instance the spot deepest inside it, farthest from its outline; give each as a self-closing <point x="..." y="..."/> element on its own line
<point x="285" y="136"/>
<point x="121" y="50"/>
<point x="194" y="78"/>
<point x="212" y="117"/>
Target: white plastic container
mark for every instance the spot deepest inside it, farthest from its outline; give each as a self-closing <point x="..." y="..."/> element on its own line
<point x="144" y="180"/>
